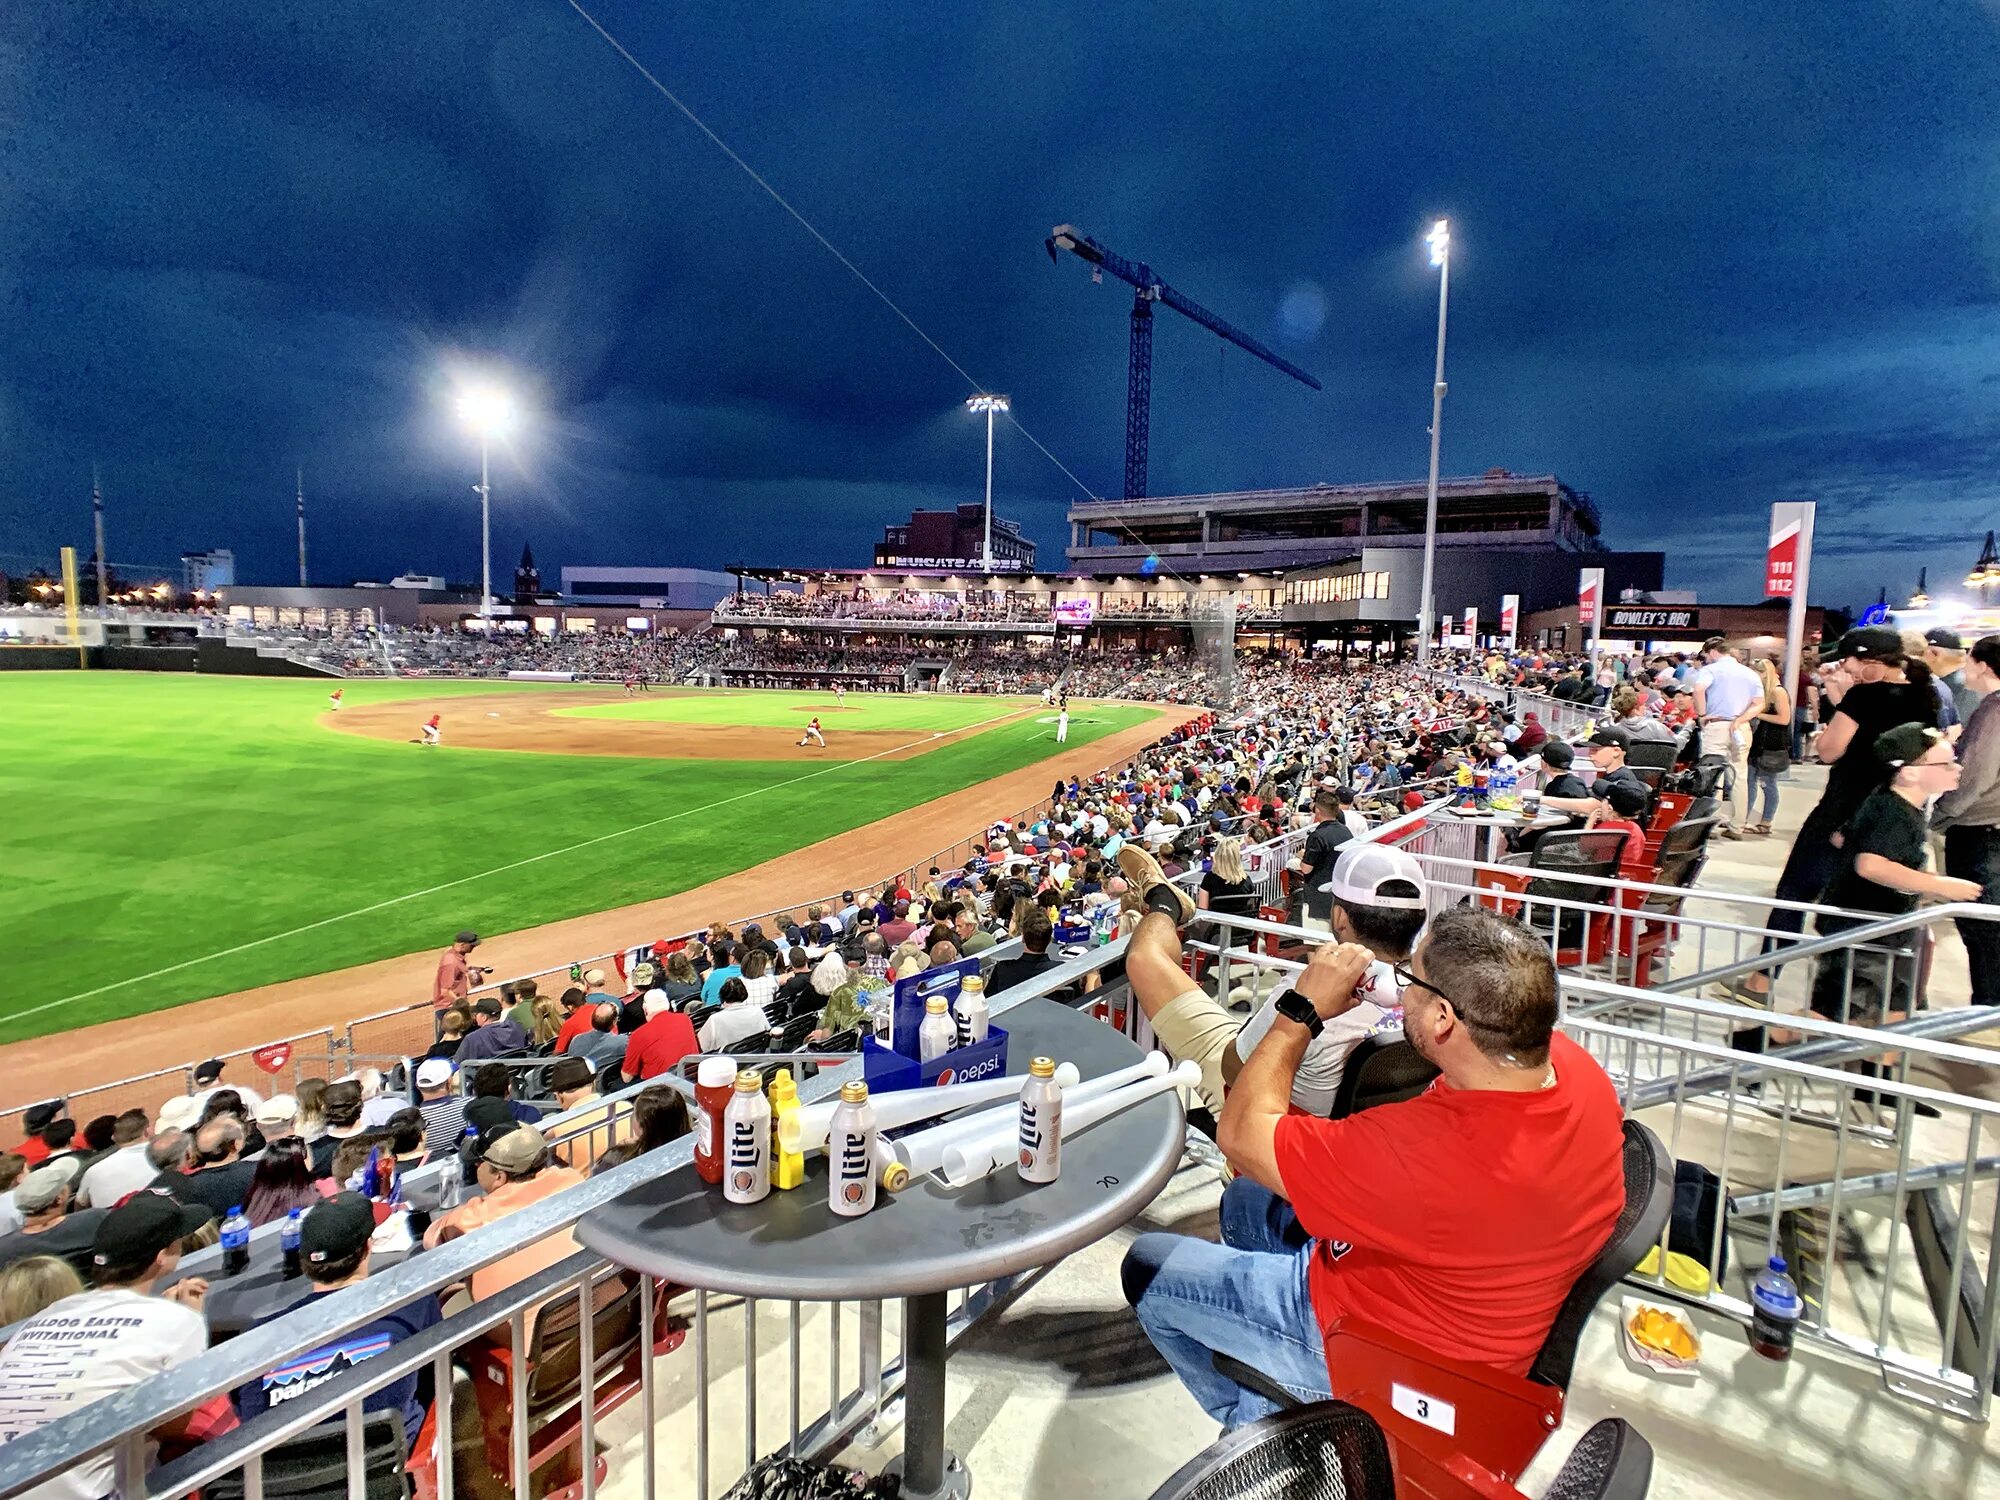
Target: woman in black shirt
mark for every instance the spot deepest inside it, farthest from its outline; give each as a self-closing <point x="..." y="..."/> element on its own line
<point x="1226" y="889"/>
<point x="1868" y="688"/>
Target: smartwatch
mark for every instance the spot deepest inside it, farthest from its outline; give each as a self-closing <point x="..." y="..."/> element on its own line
<point x="1295" y="1007"/>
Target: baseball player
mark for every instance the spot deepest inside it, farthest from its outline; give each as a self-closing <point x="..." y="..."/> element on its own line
<point x="631" y="685"/>
<point x="840" y="694"/>
<point x="1062" y="723"/>
<point x="431" y="731"/>
<point x="333" y="700"/>
<point x="812" y="734"/>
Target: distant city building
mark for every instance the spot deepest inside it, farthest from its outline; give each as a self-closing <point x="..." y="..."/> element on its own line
<point x="208" y="571"/>
<point x="954" y="539"/>
<point x="647" y="588"/>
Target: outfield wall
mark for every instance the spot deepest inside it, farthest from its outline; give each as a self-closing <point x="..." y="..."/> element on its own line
<point x="210" y="655"/>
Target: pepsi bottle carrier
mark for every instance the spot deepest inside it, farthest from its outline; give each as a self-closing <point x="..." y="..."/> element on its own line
<point x="899" y="1066"/>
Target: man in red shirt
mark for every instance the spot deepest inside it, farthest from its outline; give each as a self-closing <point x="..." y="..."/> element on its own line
<point x="455" y="977"/>
<point x="576" y="1013"/>
<point x="666" y="1038"/>
<point x="1458" y="1219"/>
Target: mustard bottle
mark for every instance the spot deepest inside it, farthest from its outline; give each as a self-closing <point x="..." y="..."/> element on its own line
<point x="788" y="1168"/>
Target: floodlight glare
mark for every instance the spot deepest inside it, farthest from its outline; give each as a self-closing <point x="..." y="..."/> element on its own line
<point x="1439" y="240"/>
<point x="486" y="409"/>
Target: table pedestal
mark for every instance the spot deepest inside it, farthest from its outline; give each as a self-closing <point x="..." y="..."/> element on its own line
<point x="928" y="1470"/>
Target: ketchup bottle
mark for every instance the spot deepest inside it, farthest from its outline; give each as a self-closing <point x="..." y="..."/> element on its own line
<point x="714" y="1085"/>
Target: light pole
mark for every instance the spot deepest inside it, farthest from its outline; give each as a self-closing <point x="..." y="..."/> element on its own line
<point x="1439" y="240"/>
<point x="489" y="412"/>
<point x="990" y="405"/>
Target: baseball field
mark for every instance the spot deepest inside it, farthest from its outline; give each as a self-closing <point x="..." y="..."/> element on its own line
<point x="172" y="838"/>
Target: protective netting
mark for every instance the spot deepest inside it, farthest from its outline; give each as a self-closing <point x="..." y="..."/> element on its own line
<point x="1212" y="623"/>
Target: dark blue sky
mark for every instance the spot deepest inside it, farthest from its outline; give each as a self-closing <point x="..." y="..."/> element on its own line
<point x="1707" y="256"/>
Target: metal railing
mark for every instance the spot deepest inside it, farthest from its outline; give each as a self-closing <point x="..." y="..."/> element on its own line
<point x="1771" y="1156"/>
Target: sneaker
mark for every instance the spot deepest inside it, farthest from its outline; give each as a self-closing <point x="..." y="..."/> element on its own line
<point x="1741" y="993"/>
<point x="1147" y="877"/>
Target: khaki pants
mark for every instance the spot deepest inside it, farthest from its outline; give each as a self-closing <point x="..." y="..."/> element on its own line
<point x="1733" y="746"/>
<point x="1193" y="1028"/>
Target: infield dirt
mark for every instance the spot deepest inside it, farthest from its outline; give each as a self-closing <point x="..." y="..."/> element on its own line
<point x="514" y="721"/>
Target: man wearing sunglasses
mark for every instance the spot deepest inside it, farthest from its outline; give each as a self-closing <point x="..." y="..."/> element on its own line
<point x="1458" y="1219"/>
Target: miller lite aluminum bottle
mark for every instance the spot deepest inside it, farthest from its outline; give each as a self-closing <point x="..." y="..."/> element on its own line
<point x="850" y="1153"/>
<point x="746" y="1142"/>
<point x="1041" y="1123"/>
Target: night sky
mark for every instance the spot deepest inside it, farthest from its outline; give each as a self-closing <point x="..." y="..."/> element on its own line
<point x="1707" y="256"/>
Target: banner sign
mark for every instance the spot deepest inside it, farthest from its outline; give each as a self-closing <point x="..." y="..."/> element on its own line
<point x="1589" y="590"/>
<point x="1075" y="612"/>
<point x="1617" y="619"/>
<point x="1510" y="618"/>
<point x="1472" y="623"/>
<point x="1781" y="557"/>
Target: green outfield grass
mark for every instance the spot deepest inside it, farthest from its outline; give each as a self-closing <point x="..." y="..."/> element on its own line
<point x="168" y="838"/>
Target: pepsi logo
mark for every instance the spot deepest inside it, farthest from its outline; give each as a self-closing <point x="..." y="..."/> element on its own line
<point x="947" y="1076"/>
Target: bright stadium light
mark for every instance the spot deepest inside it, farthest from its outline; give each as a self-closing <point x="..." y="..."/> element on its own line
<point x="489" y="412"/>
<point x="989" y="404"/>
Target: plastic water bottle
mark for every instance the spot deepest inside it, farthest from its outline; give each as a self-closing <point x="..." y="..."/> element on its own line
<point x="288" y="1240"/>
<point x="235" y="1243"/>
<point x="1775" y="1306"/>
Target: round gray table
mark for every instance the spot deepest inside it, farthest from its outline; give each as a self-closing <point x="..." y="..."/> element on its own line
<point x="917" y="1244"/>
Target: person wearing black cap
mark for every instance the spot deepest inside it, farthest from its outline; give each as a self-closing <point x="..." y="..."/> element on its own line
<point x="36" y="1119"/>
<point x="109" y="1339"/>
<point x="1969" y="817"/>
<point x="334" y="1251"/>
<point x="208" y="1082"/>
<point x="456" y="977"/>
<point x="1880" y="869"/>
<point x="1867" y="688"/>
<point x="1946" y="656"/>
<point x="1607" y="753"/>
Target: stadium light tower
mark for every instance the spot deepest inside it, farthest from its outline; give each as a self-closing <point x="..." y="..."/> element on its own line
<point x="1439" y="241"/>
<point x="488" y="411"/>
<point x="990" y="405"/>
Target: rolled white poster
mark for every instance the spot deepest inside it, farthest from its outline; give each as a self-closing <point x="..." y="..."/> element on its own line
<point x="806" y="1130"/>
<point x="977" y="1157"/>
<point x="924" y="1151"/>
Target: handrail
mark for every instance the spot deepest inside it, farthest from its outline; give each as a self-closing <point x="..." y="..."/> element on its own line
<point x="1853" y="937"/>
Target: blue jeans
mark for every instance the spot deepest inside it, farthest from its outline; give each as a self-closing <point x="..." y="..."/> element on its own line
<point x="1246" y="1298"/>
<point x="1765" y="782"/>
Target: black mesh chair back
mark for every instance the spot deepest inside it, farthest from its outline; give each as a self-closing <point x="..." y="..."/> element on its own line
<point x="1382" y="1070"/>
<point x="797" y="1030"/>
<point x="1577" y="851"/>
<point x="1651" y="776"/>
<point x="1689" y="833"/>
<point x="1655" y="755"/>
<point x="1609" y="1462"/>
<point x="1326" y="1451"/>
<point x="1704" y="806"/>
<point x="843" y="1041"/>
<point x="1680" y="868"/>
<point x="313" y="1465"/>
<point x="761" y="1042"/>
<point x="1649" y="1199"/>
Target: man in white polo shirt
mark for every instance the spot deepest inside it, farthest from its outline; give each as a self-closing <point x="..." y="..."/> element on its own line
<point x="1727" y="695"/>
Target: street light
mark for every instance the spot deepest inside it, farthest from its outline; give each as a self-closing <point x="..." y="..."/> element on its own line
<point x="1439" y="241"/>
<point x="488" y="411"/>
<point x="988" y="404"/>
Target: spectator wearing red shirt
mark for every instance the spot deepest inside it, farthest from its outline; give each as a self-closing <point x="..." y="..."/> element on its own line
<point x="1458" y="1220"/>
<point x="455" y="977"/>
<point x="666" y="1038"/>
<point x="36" y="1119"/>
<point x="576" y="1014"/>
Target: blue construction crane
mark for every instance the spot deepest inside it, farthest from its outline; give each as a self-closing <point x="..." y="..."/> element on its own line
<point x="1146" y="290"/>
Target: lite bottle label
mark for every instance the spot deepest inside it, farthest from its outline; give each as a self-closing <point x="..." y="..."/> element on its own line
<point x="1041" y="1135"/>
